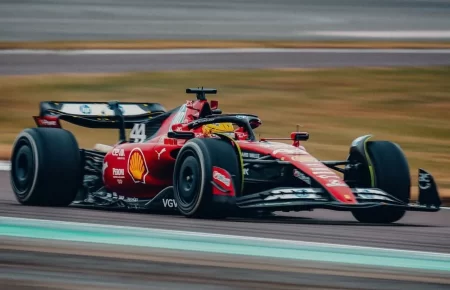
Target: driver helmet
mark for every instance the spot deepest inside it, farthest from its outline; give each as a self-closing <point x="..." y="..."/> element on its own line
<point x="222" y="128"/>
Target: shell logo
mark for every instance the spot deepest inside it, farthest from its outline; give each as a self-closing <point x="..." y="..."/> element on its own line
<point x="137" y="168"/>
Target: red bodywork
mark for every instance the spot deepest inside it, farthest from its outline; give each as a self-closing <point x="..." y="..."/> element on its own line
<point x="142" y="170"/>
<point x="138" y="173"/>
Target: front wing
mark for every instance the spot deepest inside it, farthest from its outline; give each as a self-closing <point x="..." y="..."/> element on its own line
<point x="297" y="199"/>
<point x="281" y="199"/>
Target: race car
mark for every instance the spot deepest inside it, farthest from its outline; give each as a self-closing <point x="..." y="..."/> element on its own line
<point x="196" y="161"/>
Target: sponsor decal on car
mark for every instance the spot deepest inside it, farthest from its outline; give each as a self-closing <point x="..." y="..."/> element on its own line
<point x="107" y="111"/>
<point x="118" y="173"/>
<point x="137" y="167"/>
<point x="47" y="123"/>
<point x="119" y="153"/>
<point x="250" y="155"/>
<point x="116" y="196"/>
<point x="179" y="128"/>
<point x="293" y="190"/>
<point x="303" y="158"/>
<point x="160" y="152"/>
<point x="293" y="196"/>
<point x="131" y="199"/>
<point x="246" y="171"/>
<point x="424" y="181"/>
<point x="369" y="190"/>
<point x="289" y="151"/>
<point x="101" y="109"/>
<point x="85" y="109"/>
<point x="222" y="179"/>
<point x="169" y="202"/>
<point x="321" y="171"/>
<point x="241" y="135"/>
<point x="373" y="196"/>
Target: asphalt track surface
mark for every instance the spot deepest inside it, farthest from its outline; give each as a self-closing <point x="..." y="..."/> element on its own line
<point x="416" y="231"/>
<point x="48" y="62"/>
<point x="40" y="264"/>
<point x="218" y="19"/>
<point x="26" y="264"/>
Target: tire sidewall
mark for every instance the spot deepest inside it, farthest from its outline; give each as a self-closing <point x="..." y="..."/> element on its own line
<point x="28" y="138"/>
<point x="57" y="167"/>
<point x="210" y="153"/>
<point x="200" y="153"/>
<point x="392" y="175"/>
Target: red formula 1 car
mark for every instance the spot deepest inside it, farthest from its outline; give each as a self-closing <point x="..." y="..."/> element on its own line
<point x="198" y="162"/>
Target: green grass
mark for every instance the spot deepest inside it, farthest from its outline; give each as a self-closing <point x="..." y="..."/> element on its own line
<point x="409" y="106"/>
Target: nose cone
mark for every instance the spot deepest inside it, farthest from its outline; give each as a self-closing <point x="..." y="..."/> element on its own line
<point x="311" y="166"/>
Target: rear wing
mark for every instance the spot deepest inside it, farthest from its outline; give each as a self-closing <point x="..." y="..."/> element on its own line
<point x="96" y="114"/>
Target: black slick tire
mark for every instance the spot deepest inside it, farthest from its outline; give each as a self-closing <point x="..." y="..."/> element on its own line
<point x="193" y="175"/>
<point x="391" y="171"/>
<point x="46" y="167"/>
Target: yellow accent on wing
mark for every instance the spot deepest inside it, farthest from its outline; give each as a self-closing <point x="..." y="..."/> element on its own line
<point x="369" y="161"/>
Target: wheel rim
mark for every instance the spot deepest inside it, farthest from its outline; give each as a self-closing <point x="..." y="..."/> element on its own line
<point x="22" y="168"/>
<point x="188" y="181"/>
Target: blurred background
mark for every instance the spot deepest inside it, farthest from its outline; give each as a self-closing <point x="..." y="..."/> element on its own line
<point x="223" y="20"/>
<point x="340" y="69"/>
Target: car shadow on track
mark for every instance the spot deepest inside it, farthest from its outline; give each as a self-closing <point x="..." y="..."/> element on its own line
<point x="314" y="221"/>
<point x="273" y="219"/>
<point x="267" y="219"/>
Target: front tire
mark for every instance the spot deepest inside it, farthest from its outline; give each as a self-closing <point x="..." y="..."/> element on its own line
<point x="193" y="176"/>
<point x="46" y="167"/>
<point x="391" y="172"/>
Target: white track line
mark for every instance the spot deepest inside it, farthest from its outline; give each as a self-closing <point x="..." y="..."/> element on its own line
<point x="410" y="34"/>
<point x="5" y="166"/>
<point x="216" y="51"/>
<point x="180" y="233"/>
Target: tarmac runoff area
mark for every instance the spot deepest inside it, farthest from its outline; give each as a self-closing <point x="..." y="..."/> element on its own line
<point x="24" y="62"/>
<point x="217" y="19"/>
<point x="148" y="251"/>
<point x="47" y="253"/>
<point x="44" y="264"/>
<point x="223" y="244"/>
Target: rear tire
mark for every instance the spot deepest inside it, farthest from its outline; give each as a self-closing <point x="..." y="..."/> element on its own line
<point x="46" y="167"/>
<point x="193" y="175"/>
<point x="392" y="175"/>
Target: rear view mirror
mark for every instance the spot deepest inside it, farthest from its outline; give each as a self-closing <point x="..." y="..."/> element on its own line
<point x="299" y="136"/>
